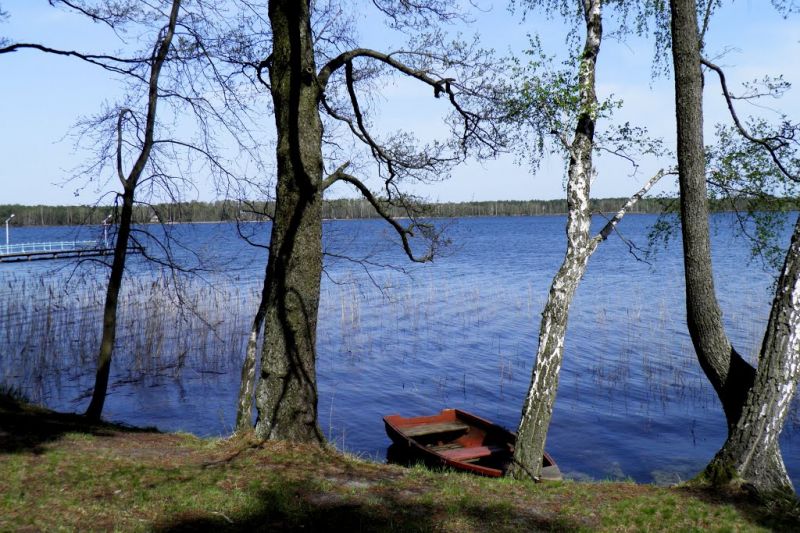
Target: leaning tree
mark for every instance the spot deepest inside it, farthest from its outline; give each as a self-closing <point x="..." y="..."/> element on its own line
<point x="181" y="104"/>
<point x="130" y="178"/>
<point x="563" y="103"/>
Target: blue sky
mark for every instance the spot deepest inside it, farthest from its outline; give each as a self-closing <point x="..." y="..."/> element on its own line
<point x="42" y="96"/>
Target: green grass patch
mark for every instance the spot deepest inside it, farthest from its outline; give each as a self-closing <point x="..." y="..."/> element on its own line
<point x="65" y="475"/>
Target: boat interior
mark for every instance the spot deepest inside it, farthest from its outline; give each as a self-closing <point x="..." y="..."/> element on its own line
<point x="457" y="440"/>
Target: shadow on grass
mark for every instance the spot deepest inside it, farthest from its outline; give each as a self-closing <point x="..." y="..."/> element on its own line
<point x="782" y="514"/>
<point x="295" y="510"/>
<point x="26" y="428"/>
<point x="352" y="499"/>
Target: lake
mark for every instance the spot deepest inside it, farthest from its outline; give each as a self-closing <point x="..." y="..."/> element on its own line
<point x="460" y="332"/>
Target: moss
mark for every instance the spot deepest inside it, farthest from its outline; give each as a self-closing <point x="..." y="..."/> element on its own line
<point x="718" y="473"/>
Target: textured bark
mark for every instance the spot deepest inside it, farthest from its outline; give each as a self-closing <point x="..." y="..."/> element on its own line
<point x="538" y="407"/>
<point x="129" y="183"/>
<point x="730" y="375"/>
<point x="752" y="451"/>
<point x="754" y="403"/>
<point x="286" y="395"/>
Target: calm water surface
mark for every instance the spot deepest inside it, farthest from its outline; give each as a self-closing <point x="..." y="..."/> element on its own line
<point x="460" y="332"/>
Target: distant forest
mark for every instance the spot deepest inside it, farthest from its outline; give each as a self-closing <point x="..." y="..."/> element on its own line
<point x="230" y="210"/>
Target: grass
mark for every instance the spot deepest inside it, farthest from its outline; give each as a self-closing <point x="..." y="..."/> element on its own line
<point x="58" y="472"/>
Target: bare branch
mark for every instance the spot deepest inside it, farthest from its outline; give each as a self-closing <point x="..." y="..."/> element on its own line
<point x="110" y="63"/>
<point x="120" y="118"/>
<point x="439" y="85"/>
<point x="765" y="143"/>
<point x="403" y="232"/>
<point x="706" y="21"/>
<point x="159" y="56"/>
<point x="334" y="177"/>
<point x="115" y="12"/>
<point x="418" y="13"/>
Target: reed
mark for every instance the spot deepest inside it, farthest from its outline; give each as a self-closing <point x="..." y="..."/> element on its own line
<point x="51" y="328"/>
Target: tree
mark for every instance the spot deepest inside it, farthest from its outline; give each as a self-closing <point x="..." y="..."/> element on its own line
<point x="583" y="109"/>
<point x="129" y="180"/>
<point x="286" y="394"/>
<point x="755" y="402"/>
<point x="129" y="185"/>
<point x="177" y="73"/>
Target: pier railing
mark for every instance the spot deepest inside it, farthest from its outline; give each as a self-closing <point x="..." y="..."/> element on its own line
<point x="63" y="246"/>
<point x="35" y="251"/>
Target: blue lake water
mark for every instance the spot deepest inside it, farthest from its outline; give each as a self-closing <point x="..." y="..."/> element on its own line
<point x="460" y="332"/>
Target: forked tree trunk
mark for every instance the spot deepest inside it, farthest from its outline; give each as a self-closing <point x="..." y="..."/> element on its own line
<point x="754" y="413"/>
<point x="129" y="184"/>
<point x="538" y="407"/>
<point x="286" y="395"/>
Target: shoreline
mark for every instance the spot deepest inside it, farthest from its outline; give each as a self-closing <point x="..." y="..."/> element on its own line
<point x="61" y="471"/>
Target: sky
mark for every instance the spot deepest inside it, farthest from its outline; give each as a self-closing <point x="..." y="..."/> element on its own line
<point x="42" y="96"/>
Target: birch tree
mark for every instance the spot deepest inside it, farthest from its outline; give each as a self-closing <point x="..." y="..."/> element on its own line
<point x="538" y="405"/>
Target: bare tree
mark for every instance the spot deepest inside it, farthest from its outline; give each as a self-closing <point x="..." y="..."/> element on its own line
<point x="187" y="74"/>
<point x="130" y="179"/>
<point x="130" y="182"/>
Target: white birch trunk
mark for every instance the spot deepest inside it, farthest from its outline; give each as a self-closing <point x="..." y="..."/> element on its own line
<point x="752" y="453"/>
<point x="244" y="409"/>
<point x="538" y="407"/>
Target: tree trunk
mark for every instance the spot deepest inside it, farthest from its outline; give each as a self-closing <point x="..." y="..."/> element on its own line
<point x="752" y="451"/>
<point x="95" y="409"/>
<point x="538" y="408"/>
<point x="730" y="375"/>
<point x="129" y="184"/>
<point x="244" y="409"/>
<point x="286" y="396"/>
<point x="754" y="413"/>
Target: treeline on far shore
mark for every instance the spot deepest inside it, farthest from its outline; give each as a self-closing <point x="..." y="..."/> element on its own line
<point x="230" y="210"/>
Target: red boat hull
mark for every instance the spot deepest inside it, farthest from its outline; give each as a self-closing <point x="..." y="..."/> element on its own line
<point x="459" y="440"/>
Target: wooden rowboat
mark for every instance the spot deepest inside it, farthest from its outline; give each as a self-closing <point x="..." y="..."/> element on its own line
<point x="459" y="440"/>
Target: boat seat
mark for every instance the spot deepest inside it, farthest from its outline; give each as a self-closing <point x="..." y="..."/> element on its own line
<point x="474" y="452"/>
<point x="432" y="429"/>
